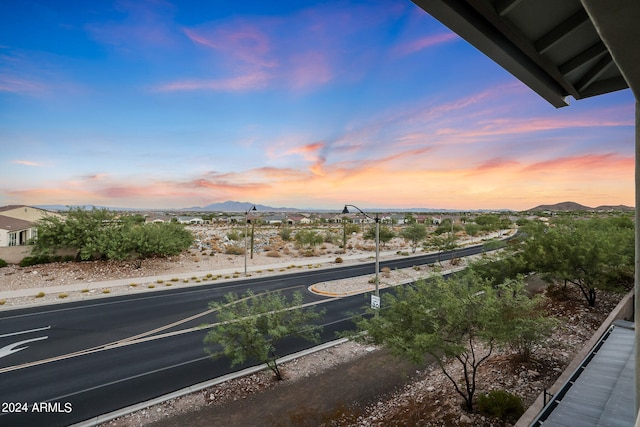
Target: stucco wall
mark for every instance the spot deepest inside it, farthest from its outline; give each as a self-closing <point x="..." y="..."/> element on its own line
<point x="14" y="254"/>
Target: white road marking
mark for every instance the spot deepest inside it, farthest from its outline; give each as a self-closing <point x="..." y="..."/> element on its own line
<point x="25" y="332"/>
<point x="9" y="349"/>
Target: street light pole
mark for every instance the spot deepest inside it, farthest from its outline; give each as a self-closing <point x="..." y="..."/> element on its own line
<point x="246" y="231"/>
<point x="377" y="220"/>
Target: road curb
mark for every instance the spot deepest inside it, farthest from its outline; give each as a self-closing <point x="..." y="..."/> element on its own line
<point x="104" y="418"/>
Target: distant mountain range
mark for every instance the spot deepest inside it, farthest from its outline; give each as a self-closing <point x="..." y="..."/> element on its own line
<point x="234" y="206"/>
<point x="572" y="206"/>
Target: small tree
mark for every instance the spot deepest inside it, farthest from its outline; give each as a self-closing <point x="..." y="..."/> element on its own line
<point x="442" y="243"/>
<point x="591" y="254"/>
<point x="252" y="326"/>
<point x="462" y="318"/>
<point x="385" y="234"/>
<point x="414" y="233"/>
<point x="306" y="238"/>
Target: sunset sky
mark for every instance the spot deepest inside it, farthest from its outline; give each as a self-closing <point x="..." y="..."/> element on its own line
<point x="304" y="104"/>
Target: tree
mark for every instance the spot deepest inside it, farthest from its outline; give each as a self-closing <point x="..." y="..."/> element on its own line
<point x="385" y="234"/>
<point x="98" y="233"/>
<point x="414" y="233"/>
<point x="308" y="238"/>
<point x="251" y="327"/>
<point x="590" y="254"/>
<point x="442" y="243"/>
<point x="463" y="318"/>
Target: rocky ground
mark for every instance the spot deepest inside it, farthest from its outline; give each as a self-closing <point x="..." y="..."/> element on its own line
<point x="420" y="396"/>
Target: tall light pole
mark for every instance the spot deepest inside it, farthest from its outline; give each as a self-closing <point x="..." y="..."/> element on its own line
<point x="375" y="302"/>
<point x="246" y="231"/>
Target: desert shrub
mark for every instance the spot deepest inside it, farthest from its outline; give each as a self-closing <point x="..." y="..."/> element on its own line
<point x="235" y="235"/>
<point x="106" y="291"/>
<point x="3" y="263"/>
<point x="285" y="234"/>
<point x="234" y="250"/>
<point x="339" y="260"/>
<point x="3" y="301"/>
<point x="34" y="260"/>
<point x="274" y="254"/>
<point x="40" y="294"/>
<point x="63" y="295"/>
<point x="501" y="404"/>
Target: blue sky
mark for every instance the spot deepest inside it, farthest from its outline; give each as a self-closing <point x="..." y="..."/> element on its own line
<point x="170" y="104"/>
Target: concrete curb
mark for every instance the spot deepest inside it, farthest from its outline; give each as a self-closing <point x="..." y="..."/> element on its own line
<point x="101" y="419"/>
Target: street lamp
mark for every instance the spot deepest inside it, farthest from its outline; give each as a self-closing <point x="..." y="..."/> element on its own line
<point x="246" y="231"/>
<point x="375" y="302"/>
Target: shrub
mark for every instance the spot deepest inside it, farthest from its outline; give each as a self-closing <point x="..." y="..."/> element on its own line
<point x="234" y="250"/>
<point x="501" y="404"/>
<point x="40" y="294"/>
<point x="62" y="295"/>
<point x="274" y="254"/>
<point x="84" y="291"/>
<point x="339" y="260"/>
<point x="3" y="263"/>
<point x="2" y="301"/>
<point x="34" y="260"/>
<point x="106" y="291"/>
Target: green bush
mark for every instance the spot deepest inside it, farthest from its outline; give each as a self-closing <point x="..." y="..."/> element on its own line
<point x="501" y="404"/>
<point x="34" y="260"/>
<point x="3" y="263"/>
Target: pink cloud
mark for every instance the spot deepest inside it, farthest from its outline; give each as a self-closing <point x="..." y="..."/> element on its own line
<point x="145" y="24"/>
<point x="589" y="163"/>
<point x="26" y="163"/>
<point x="20" y="86"/>
<point x="424" y="43"/>
<point x="232" y="84"/>
<point x="242" y="42"/>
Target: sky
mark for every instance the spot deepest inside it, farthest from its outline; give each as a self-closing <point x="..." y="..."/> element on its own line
<point x="156" y="104"/>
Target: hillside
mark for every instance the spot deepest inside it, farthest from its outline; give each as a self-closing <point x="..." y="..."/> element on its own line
<point x="573" y="206"/>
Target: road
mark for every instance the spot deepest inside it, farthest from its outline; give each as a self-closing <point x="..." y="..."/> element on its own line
<point x="66" y="363"/>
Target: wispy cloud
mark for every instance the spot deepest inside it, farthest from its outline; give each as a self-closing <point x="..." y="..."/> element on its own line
<point x="422" y="43"/>
<point x="27" y="163"/>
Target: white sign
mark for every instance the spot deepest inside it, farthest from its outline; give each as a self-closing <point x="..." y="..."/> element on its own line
<point x="375" y="302"/>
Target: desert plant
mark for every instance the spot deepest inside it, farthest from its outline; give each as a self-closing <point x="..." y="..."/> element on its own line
<point x="40" y="294"/>
<point x="274" y="254"/>
<point x="63" y="295"/>
<point x="234" y="250"/>
<point x="339" y="260"/>
<point x="3" y="263"/>
<point x="501" y="404"/>
<point x="3" y="301"/>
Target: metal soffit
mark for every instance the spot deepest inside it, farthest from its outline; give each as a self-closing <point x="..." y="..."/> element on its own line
<point x="558" y="48"/>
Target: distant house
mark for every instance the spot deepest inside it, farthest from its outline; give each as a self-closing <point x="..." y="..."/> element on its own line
<point x="157" y="219"/>
<point x="190" y="220"/>
<point x="18" y="224"/>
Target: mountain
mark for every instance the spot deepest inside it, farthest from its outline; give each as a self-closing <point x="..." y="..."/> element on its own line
<point x="573" y="206"/>
<point x="233" y="206"/>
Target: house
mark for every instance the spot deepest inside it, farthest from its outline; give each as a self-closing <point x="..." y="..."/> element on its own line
<point x="18" y="224"/>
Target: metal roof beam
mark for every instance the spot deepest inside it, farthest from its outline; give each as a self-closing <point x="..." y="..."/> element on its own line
<point x="594" y="52"/>
<point x="469" y="24"/>
<point x="561" y="31"/>
<point x="596" y="71"/>
<point x="503" y="7"/>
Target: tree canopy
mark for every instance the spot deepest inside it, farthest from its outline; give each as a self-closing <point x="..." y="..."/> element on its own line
<point x="463" y="318"/>
<point x="592" y="254"/>
<point x="251" y="326"/>
<point x="101" y="234"/>
<point x="414" y="233"/>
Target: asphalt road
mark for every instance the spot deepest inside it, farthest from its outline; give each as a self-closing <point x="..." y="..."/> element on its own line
<point x="82" y="359"/>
